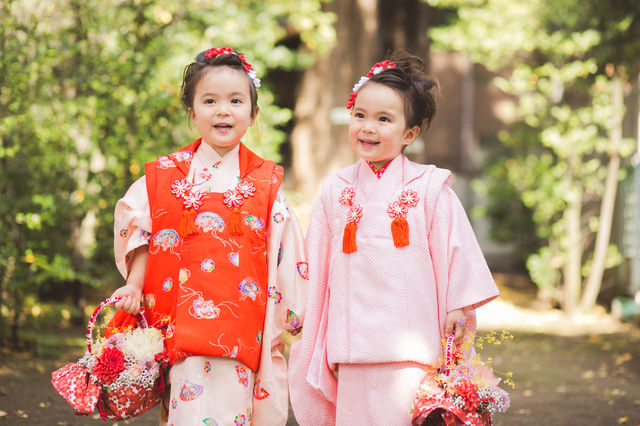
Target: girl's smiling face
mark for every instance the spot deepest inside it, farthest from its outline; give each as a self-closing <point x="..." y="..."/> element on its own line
<point x="377" y="130"/>
<point x="222" y="107"/>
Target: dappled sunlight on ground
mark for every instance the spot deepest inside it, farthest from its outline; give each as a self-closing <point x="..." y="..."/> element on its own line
<point x="502" y="314"/>
<point x="515" y="310"/>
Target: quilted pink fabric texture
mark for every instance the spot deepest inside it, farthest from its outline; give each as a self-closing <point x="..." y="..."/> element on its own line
<point x="383" y="304"/>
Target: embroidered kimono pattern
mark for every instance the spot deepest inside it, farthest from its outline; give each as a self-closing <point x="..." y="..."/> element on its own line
<point x="271" y="238"/>
<point x="217" y="304"/>
<point x="198" y="381"/>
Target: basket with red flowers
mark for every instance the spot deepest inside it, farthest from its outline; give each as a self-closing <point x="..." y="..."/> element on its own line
<point x="463" y="391"/>
<point x="121" y="373"/>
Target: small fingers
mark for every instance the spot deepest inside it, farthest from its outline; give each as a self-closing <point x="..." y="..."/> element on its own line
<point x="120" y="303"/>
<point x="460" y="329"/>
<point x="133" y="306"/>
<point x="127" y="304"/>
<point x="448" y="329"/>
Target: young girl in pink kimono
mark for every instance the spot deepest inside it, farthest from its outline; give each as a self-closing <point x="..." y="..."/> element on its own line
<point x="394" y="265"/>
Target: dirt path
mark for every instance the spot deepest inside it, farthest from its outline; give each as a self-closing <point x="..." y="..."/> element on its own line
<point x="560" y="380"/>
<point x="580" y="372"/>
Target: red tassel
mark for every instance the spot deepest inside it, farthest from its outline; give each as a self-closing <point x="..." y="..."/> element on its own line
<point x="234" y="222"/>
<point x="349" y="238"/>
<point x="400" y="232"/>
<point x="187" y="223"/>
<point x="101" y="410"/>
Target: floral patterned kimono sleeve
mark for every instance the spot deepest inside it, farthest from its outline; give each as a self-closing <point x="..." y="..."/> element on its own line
<point x="131" y="224"/>
<point x="285" y="311"/>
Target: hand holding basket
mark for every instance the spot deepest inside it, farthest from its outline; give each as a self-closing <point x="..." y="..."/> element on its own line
<point x="122" y="374"/>
<point x="461" y="393"/>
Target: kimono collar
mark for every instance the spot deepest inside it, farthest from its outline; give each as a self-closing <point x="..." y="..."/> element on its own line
<point x="209" y="156"/>
<point x="248" y="161"/>
<point x="399" y="168"/>
<point x="379" y="172"/>
<point x="364" y="191"/>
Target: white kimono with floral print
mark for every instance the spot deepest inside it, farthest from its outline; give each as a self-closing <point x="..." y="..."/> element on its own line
<point x="286" y="260"/>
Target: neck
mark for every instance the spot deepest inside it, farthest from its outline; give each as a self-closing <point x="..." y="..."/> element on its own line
<point x="379" y="167"/>
<point x="222" y="151"/>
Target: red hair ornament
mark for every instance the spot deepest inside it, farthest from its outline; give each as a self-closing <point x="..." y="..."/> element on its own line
<point x="377" y="68"/>
<point x="215" y="51"/>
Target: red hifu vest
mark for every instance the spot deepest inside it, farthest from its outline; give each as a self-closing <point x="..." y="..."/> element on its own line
<point x="210" y="288"/>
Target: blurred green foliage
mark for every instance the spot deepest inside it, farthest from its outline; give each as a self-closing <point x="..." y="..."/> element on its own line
<point x="560" y="60"/>
<point x="89" y="91"/>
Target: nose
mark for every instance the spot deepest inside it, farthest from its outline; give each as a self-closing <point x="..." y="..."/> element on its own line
<point x="222" y="110"/>
<point x="369" y="127"/>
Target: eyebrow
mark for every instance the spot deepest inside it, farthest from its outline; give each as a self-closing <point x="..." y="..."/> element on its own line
<point x="383" y="112"/>
<point x="216" y="94"/>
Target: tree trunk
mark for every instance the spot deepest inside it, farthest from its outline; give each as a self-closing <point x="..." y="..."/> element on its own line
<point x="8" y="275"/>
<point x="319" y="139"/>
<point x="15" y="318"/>
<point x="572" y="276"/>
<point x="366" y="31"/>
<point x="594" y="280"/>
<point x="403" y="24"/>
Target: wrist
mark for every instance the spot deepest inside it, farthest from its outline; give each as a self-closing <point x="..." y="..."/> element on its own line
<point x="135" y="284"/>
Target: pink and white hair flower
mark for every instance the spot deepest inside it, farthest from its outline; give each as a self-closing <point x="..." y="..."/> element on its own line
<point x="360" y="83"/>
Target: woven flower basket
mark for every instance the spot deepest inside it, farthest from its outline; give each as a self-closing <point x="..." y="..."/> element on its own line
<point x="454" y="396"/>
<point x="121" y="374"/>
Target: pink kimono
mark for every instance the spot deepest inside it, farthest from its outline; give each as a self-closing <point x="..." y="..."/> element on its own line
<point x="382" y="307"/>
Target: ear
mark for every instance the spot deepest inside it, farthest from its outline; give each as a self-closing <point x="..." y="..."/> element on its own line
<point x="192" y="115"/>
<point x="254" y="115"/>
<point x="410" y="135"/>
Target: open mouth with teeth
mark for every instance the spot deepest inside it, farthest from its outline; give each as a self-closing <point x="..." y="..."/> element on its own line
<point x="369" y="143"/>
<point x="223" y="126"/>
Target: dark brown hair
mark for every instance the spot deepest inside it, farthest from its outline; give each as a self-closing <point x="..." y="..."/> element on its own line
<point x="197" y="69"/>
<point x="418" y="91"/>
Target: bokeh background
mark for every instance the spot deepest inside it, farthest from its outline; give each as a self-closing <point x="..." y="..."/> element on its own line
<point x="538" y="119"/>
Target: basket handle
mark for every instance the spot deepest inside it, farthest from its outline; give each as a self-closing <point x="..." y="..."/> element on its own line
<point x="141" y="318"/>
<point x="448" y="354"/>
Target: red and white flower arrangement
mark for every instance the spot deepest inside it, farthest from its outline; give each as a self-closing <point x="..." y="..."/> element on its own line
<point x="132" y="357"/>
<point x="122" y="371"/>
<point x="464" y="387"/>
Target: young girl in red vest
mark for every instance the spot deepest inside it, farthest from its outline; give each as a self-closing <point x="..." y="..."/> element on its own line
<point x="394" y="266"/>
<point x="208" y="242"/>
